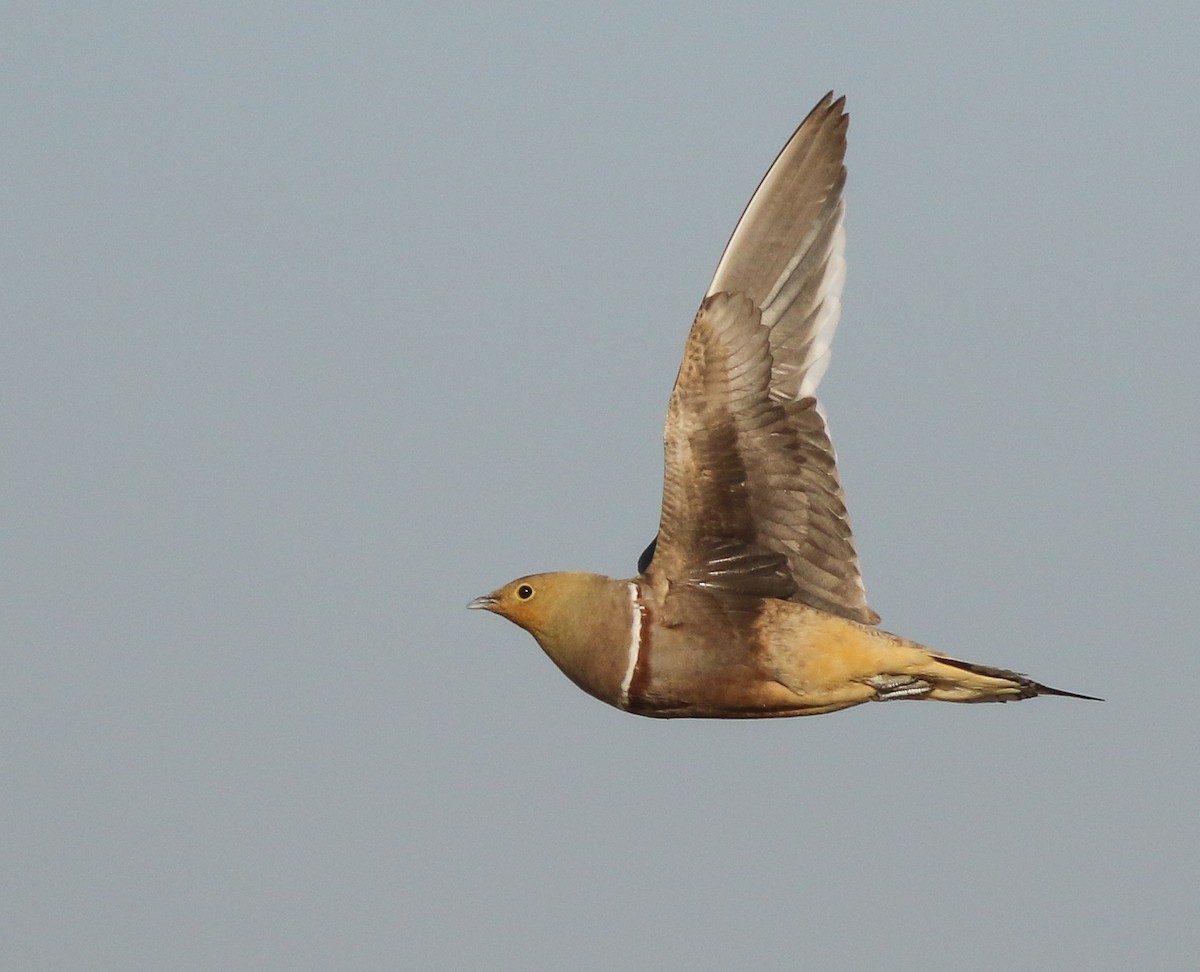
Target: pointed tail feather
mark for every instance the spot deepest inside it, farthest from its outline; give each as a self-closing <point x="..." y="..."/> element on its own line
<point x="1019" y="686"/>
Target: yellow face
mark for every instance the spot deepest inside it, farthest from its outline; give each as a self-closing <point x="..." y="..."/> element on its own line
<point x="520" y="601"/>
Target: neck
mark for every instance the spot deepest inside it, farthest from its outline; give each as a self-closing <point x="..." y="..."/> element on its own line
<point x="595" y="636"/>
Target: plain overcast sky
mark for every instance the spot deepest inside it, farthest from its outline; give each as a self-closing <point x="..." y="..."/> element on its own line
<point x="318" y="321"/>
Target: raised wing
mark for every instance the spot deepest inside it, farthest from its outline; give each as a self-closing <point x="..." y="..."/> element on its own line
<point x="751" y="498"/>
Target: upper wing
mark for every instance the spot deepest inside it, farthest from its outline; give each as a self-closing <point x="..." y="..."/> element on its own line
<point x="751" y="498"/>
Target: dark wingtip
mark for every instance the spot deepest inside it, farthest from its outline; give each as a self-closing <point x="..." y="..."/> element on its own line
<point x="647" y="556"/>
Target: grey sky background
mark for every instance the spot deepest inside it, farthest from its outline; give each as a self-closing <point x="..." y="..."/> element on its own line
<point x="320" y="321"/>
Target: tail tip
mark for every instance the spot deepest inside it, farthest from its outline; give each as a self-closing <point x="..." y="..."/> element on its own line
<point x="1047" y="690"/>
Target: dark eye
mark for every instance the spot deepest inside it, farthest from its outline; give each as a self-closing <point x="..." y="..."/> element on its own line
<point x="524" y="592"/>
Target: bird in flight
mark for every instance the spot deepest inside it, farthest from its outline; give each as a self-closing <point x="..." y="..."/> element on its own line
<point x="749" y="602"/>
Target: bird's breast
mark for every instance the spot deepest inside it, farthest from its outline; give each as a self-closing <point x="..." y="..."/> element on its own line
<point x="687" y="657"/>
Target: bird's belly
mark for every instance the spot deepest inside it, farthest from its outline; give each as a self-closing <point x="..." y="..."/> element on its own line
<point x="794" y="661"/>
<point x="676" y="679"/>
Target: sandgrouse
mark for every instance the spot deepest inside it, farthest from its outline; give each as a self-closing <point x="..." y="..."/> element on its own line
<point x="749" y="602"/>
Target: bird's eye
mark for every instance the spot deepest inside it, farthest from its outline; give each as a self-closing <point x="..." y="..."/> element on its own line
<point x="524" y="592"/>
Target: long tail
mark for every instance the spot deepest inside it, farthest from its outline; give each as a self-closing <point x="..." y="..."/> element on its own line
<point x="989" y="685"/>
